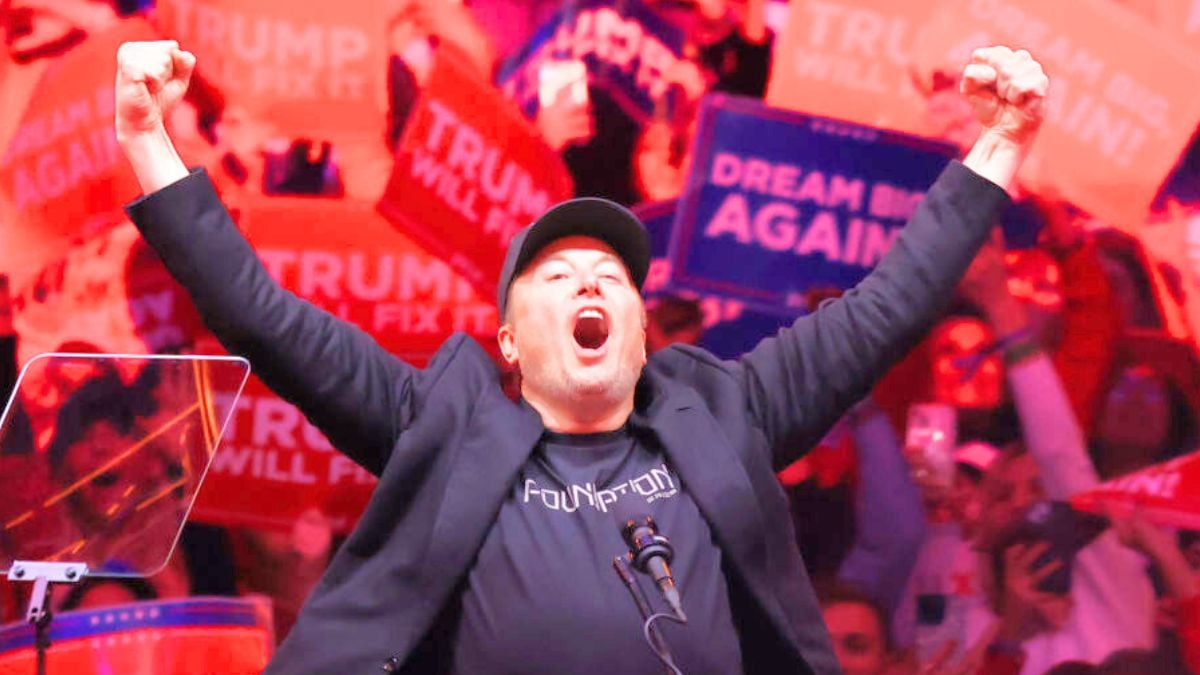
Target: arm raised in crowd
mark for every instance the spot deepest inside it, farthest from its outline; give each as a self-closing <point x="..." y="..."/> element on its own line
<point x="1104" y="573"/>
<point x="340" y="378"/>
<point x="799" y="382"/>
<point x="1091" y="323"/>
<point x="1050" y="430"/>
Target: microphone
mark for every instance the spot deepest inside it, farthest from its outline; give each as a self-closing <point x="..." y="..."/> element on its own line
<point x="651" y="553"/>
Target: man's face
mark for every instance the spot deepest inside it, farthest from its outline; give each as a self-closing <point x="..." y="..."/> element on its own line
<point x="1136" y="415"/>
<point x="577" y="324"/>
<point x="858" y="638"/>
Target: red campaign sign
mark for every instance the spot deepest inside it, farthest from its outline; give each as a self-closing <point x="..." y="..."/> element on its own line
<point x="344" y="257"/>
<point x="470" y="172"/>
<point x="1168" y="493"/>
<point x="272" y="465"/>
<point x="305" y="68"/>
<point x="1180" y="18"/>
<point x="1116" y="118"/>
<point x="62" y="175"/>
<point x="852" y="60"/>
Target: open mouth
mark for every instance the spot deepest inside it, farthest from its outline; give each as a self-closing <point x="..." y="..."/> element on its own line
<point x="591" y="329"/>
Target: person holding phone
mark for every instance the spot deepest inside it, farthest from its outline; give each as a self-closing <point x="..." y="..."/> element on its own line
<point x="1093" y="596"/>
<point x="564" y="117"/>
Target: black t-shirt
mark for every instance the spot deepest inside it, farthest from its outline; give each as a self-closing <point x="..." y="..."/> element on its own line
<point x="542" y="597"/>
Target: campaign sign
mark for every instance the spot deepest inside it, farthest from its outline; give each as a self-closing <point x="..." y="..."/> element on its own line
<point x="852" y="59"/>
<point x="1116" y="117"/>
<point x="1167" y="494"/>
<point x="470" y="172"/>
<point x="308" y="69"/>
<point x="62" y="175"/>
<point x="659" y="219"/>
<point x="344" y="257"/>
<point x="780" y="205"/>
<point x="628" y="49"/>
<point x="730" y="328"/>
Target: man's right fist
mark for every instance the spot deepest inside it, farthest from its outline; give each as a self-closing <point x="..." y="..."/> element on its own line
<point x="151" y="78"/>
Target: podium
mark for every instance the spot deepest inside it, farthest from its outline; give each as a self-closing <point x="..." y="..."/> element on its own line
<point x="101" y="458"/>
<point x="163" y="637"/>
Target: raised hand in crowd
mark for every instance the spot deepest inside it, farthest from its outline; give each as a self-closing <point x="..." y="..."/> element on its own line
<point x="1061" y="232"/>
<point x="1025" y="610"/>
<point x="752" y="22"/>
<point x="997" y="650"/>
<point x="565" y="122"/>
<point x="1181" y="607"/>
<point x="712" y="10"/>
<point x="690" y="78"/>
<point x="985" y="285"/>
<point x="658" y="175"/>
<point x="890" y="525"/>
<point x="448" y="21"/>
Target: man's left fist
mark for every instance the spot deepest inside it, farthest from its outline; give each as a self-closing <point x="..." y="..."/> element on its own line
<point x="1007" y="89"/>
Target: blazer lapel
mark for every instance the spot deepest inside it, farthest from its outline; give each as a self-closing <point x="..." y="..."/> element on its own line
<point x="716" y="480"/>
<point x="483" y="473"/>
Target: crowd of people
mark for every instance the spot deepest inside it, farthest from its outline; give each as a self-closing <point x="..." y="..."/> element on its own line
<point x="1043" y="363"/>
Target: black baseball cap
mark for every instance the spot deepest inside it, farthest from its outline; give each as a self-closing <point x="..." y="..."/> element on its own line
<point x="593" y="217"/>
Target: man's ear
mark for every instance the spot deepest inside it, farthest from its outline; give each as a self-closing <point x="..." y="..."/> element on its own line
<point x="507" y="338"/>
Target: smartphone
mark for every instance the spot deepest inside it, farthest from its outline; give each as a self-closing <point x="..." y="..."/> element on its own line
<point x="558" y="74"/>
<point x="1065" y="529"/>
<point x="932" y="431"/>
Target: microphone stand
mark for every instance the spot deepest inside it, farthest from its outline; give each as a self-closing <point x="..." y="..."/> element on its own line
<point x="657" y="641"/>
<point x="43" y="575"/>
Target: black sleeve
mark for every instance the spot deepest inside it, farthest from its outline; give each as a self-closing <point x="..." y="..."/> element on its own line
<point x="800" y="381"/>
<point x="357" y="393"/>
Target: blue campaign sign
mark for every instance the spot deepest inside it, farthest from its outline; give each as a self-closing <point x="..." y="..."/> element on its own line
<point x="731" y="329"/>
<point x="781" y="205"/>
<point x="628" y="49"/>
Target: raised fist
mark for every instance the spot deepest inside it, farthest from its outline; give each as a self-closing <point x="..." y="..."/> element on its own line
<point x="151" y="78"/>
<point x="1007" y="90"/>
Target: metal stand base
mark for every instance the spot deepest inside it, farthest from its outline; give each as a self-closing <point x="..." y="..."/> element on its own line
<point x="43" y="574"/>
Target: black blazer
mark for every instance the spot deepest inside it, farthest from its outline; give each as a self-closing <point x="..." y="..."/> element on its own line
<point x="447" y="444"/>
